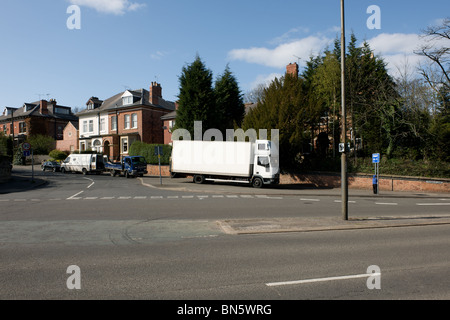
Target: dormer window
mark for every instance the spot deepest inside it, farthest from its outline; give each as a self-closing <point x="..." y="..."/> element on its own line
<point x="127" y="100"/>
<point x="91" y="106"/>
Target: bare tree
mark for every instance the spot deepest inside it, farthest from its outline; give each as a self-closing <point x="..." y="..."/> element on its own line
<point x="437" y="50"/>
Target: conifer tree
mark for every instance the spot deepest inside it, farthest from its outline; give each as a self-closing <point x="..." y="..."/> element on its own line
<point x="196" y="99"/>
<point x="229" y="101"/>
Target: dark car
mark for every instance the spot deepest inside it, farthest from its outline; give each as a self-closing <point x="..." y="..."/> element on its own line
<point x="51" y="165"/>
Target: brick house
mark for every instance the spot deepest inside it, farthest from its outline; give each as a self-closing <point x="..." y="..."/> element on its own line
<point x="168" y="123"/>
<point x="70" y="140"/>
<point x="41" y="117"/>
<point x="111" y="126"/>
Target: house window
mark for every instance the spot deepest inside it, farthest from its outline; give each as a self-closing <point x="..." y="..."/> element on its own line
<point x="90" y="106"/>
<point x="4" y="129"/>
<point x="91" y="125"/>
<point x="114" y="123"/>
<point x="124" y="145"/>
<point x="127" y="100"/>
<point x="134" y="121"/>
<point x="97" y="145"/>
<point x="102" y="124"/>
<point x="85" y="126"/>
<point x="22" y="127"/>
<point x="127" y="121"/>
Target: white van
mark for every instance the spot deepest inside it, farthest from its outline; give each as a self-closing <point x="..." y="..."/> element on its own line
<point x="84" y="163"/>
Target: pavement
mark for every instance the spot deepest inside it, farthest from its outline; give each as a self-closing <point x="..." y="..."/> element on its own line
<point x="22" y="181"/>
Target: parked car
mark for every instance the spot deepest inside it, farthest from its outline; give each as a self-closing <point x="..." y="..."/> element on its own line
<point x="51" y="165"/>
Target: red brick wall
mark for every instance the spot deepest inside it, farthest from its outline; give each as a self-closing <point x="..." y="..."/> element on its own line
<point x="354" y="182"/>
<point x="70" y="139"/>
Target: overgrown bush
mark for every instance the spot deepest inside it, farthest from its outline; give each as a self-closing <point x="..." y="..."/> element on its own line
<point x="41" y="144"/>
<point x="58" y="155"/>
<point x="146" y="150"/>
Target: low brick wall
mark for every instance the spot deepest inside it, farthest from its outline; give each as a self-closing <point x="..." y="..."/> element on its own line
<point x="361" y="181"/>
<point x="355" y="181"/>
<point x="154" y="170"/>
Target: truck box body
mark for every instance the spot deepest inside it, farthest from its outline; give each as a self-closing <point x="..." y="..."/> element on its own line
<point x="211" y="157"/>
<point x="225" y="160"/>
<point x="84" y="163"/>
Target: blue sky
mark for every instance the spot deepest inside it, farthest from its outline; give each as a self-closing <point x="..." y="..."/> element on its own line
<point x="127" y="44"/>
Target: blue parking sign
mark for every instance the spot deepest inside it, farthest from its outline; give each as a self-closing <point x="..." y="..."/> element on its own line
<point x="375" y="158"/>
<point x="26" y="153"/>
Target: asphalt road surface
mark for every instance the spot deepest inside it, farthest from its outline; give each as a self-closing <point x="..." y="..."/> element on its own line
<point x="135" y="239"/>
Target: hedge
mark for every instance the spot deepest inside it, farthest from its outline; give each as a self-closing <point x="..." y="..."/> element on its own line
<point x="146" y="150"/>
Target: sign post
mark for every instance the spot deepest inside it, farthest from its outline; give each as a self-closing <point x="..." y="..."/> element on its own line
<point x="376" y="161"/>
<point x="27" y="150"/>
<point x="159" y="153"/>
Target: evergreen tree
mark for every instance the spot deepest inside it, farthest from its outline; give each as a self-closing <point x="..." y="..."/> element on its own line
<point x="196" y="98"/>
<point x="229" y="102"/>
<point x="284" y="108"/>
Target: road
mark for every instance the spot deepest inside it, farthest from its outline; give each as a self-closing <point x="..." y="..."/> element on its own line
<point x="134" y="239"/>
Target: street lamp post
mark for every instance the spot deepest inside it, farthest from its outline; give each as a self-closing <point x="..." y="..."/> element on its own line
<point x="344" y="184"/>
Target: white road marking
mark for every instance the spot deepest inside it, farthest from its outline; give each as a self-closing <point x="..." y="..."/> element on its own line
<point x="93" y="182"/>
<point x="285" y="283"/>
<point x="310" y="199"/>
<point x="73" y="197"/>
<point x="433" y="204"/>
<point x="339" y="201"/>
<point x="386" y="203"/>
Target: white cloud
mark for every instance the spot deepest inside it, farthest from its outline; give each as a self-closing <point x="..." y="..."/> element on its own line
<point x="397" y="50"/>
<point x="283" y="54"/>
<point x="395" y="43"/>
<point x="264" y="79"/>
<point x="158" y="55"/>
<point x="117" y="7"/>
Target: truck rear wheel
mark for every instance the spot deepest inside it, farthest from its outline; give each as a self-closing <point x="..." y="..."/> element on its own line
<point x="198" y="178"/>
<point x="84" y="171"/>
<point x="112" y="173"/>
<point x="257" y="183"/>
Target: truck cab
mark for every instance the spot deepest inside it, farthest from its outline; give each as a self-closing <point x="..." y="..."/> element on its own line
<point x="130" y="166"/>
<point x="266" y="168"/>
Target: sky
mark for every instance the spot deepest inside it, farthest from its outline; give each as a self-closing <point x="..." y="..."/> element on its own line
<point x="71" y="50"/>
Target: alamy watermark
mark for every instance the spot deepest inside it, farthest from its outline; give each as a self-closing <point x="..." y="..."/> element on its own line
<point x="74" y="20"/>
<point x="374" y="21"/>
<point x="211" y="153"/>
<point x="74" y="280"/>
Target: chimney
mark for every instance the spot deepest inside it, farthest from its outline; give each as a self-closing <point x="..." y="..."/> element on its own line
<point x="155" y="93"/>
<point x="52" y="105"/>
<point x="43" y="107"/>
<point x="292" y="69"/>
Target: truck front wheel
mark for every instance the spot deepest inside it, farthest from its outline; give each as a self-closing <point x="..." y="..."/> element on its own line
<point x="198" y="178"/>
<point x="257" y="183"/>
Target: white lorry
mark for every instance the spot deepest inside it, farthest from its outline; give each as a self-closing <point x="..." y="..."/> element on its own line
<point x="255" y="163"/>
<point x="84" y="163"/>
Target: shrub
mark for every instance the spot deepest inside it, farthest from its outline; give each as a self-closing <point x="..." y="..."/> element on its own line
<point x="41" y="144"/>
<point x="58" y="155"/>
<point x="146" y="150"/>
